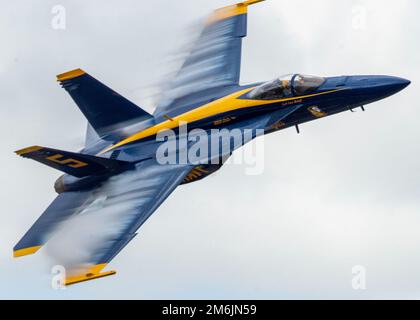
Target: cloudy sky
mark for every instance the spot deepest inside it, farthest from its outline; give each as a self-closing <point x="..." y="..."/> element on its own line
<point x="344" y="193"/>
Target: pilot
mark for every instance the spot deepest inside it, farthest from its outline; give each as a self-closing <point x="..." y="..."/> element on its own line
<point x="299" y="80"/>
<point x="287" y="87"/>
<point x="299" y="83"/>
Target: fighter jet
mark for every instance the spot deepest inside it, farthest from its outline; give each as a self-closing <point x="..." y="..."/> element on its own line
<point x="120" y="171"/>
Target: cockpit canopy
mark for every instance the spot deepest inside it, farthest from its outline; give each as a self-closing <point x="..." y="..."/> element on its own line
<point x="286" y="86"/>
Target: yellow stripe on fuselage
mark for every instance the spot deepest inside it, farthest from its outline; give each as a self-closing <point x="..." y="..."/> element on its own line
<point x="223" y="105"/>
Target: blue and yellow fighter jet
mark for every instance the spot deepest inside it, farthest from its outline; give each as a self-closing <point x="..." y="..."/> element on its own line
<point x="121" y="142"/>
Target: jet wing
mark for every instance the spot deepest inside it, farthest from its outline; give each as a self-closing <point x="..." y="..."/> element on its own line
<point x="87" y="241"/>
<point x="214" y="61"/>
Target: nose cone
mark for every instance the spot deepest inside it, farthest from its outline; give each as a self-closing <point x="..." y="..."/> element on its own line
<point x="374" y="88"/>
<point x="404" y="83"/>
<point x="390" y="84"/>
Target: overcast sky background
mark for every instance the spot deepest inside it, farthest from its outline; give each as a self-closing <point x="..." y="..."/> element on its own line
<point x="343" y="193"/>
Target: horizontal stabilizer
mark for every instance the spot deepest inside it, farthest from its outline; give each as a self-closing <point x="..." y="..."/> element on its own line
<point x="106" y="110"/>
<point x="75" y="164"/>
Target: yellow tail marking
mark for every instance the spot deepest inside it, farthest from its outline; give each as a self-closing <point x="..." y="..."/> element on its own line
<point x="28" y="150"/>
<point x="91" y="274"/>
<point x="73" y="163"/>
<point x="231" y="11"/>
<point x="70" y="75"/>
<point x="25" y="251"/>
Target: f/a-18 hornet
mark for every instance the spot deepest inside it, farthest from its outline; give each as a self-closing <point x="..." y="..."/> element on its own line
<point x="118" y="173"/>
